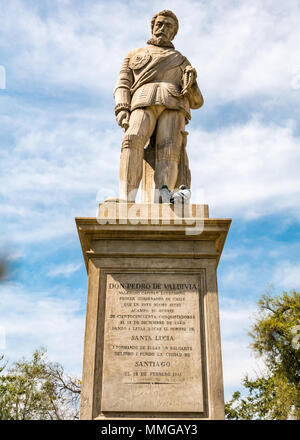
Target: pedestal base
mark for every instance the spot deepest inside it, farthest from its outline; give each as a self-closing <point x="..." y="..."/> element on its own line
<point x="152" y="340"/>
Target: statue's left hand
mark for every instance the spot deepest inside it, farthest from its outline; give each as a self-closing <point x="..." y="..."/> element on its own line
<point x="189" y="78"/>
<point x="191" y="71"/>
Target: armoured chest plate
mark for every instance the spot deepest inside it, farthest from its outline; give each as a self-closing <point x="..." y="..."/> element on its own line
<point x="139" y="60"/>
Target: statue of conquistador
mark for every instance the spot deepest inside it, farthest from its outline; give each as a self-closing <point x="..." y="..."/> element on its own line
<point x="155" y="91"/>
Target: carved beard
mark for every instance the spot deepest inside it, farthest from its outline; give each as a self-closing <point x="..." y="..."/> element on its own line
<point x="164" y="43"/>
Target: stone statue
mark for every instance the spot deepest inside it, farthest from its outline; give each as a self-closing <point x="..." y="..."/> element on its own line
<point x="155" y="91"/>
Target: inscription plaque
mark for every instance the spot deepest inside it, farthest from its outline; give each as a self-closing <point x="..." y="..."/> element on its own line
<point x="152" y="343"/>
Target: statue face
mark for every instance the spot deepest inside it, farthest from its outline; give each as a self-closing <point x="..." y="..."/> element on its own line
<point x="164" y="28"/>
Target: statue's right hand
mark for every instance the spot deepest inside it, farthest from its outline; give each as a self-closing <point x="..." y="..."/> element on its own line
<point x="123" y="119"/>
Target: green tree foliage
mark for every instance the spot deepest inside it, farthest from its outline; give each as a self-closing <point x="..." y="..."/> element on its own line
<point x="37" y="390"/>
<point x="275" y="335"/>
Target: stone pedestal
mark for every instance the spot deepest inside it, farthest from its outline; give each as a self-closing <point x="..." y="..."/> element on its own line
<point x="152" y="340"/>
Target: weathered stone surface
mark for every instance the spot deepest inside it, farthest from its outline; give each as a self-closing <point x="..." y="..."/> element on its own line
<point x="152" y="343"/>
<point x="145" y="259"/>
<point x="152" y="340"/>
<point x="155" y="91"/>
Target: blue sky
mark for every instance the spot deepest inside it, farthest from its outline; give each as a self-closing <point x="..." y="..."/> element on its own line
<point x="60" y="150"/>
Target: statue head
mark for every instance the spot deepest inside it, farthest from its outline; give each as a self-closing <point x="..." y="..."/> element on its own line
<point x="164" y="26"/>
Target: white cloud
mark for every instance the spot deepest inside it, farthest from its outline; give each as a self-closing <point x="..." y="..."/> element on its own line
<point x="79" y="46"/>
<point x="53" y="173"/>
<point x="238" y="275"/>
<point x="56" y="169"/>
<point x="39" y="318"/>
<point x="287" y="275"/>
<point x="237" y="46"/>
<point x="236" y="317"/>
<point x="15" y="255"/>
<point x="64" y="270"/>
<point x="62" y="158"/>
<point x="248" y="170"/>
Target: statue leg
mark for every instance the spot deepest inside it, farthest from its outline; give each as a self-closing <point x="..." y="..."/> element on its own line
<point x="141" y="126"/>
<point x="170" y="126"/>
